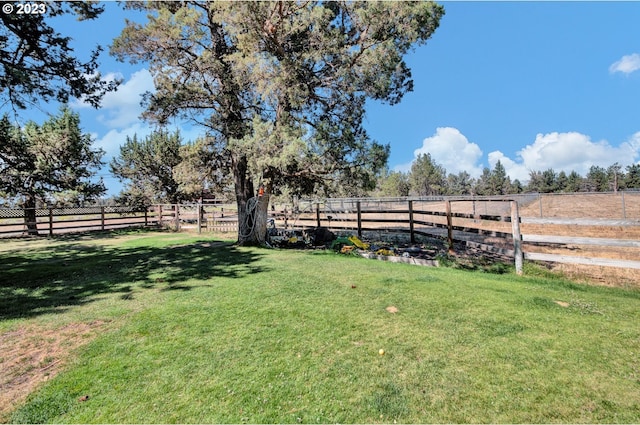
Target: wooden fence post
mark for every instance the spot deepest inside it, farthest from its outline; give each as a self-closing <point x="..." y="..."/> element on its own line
<point x="101" y="218"/>
<point x="540" y="203"/>
<point x="199" y="218"/>
<point x="146" y="220"/>
<point x="413" y="236"/>
<point x="159" y="215"/>
<point x="318" y="214"/>
<point x="517" y="237"/>
<point x="177" y="217"/>
<point x="447" y="205"/>
<point x="359" y="219"/>
<point x="50" y="221"/>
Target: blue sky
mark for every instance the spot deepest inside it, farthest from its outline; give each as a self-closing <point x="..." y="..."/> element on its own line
<point x="535" y="85"/>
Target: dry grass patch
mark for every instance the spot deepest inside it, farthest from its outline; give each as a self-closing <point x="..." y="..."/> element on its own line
<point x="32" y="355"/>
<point x="612" y="252"/>
<point x="614" y="277"/>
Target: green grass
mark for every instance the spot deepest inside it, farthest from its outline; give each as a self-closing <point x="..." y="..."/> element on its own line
<point x="206" y="332"/>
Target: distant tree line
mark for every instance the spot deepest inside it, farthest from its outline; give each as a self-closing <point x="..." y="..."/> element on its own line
<point x="428" y="178"/>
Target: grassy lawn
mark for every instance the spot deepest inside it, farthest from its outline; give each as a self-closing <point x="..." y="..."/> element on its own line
<point x="199" y="331"/>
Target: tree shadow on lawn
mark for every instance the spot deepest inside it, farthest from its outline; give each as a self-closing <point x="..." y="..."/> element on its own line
<point x="50" y="279"/>
<point x="84" y="236"/>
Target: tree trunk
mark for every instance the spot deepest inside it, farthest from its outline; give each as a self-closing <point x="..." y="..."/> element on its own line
<point x="252" y="209"/>
<point x="30" y="215"/>
<point x="252" y="225"/>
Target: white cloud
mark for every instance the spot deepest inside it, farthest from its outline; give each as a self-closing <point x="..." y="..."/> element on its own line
<point x="626" y="65"/>
<point x="121" y="108"/>
<point x="115" y="138"/>
<point x="451" y="149"/>
<point x="513" y="169"/>
<point x="567" y="152"/>
<point x="634" y="142"/>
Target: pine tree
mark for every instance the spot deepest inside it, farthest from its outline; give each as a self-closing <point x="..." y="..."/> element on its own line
<point x="427" y="178"/>
<point x="38" y="162"/>
<point x="281" y="85"/>
<point x="632" y="177"/>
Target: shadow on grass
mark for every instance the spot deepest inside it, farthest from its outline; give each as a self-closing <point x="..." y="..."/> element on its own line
<point x="50" y="279"/>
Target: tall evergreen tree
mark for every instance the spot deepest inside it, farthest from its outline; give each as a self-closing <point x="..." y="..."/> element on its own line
<point x="427" y="178"/>
<point x="393" y="184"/>
<point x="147" y="166"/>
<point x="516" y="187"/>
<point x="561" y="182"/>
<point x="38" y="162"/>
<point x="460" y="184"/>
<point x="281" y="85"/>
<point x="483" y="183"/>
<point x="632" y="177"/>
<point x="574" y="182"/>
<point x="597" y="179"/>
<point x="549" y="181"/>
<point x="499" y="183"/>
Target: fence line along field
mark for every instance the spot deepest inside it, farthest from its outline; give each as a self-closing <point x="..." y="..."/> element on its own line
<point x="50" y="221"/>
<point x="593" y="234"/>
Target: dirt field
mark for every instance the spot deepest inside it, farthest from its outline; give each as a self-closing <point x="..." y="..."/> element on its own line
<point x="592" y="205"/>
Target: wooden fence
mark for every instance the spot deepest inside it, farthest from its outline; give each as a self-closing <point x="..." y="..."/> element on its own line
<point x="590" y="231"/>
<point x="54" y="221"/>
<point x="201" y="217"/>
<point x="490" y="224"/>
<point x="50" y="221"/>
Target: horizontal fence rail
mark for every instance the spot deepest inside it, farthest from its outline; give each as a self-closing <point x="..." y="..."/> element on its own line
<point x="50" y="221"/>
